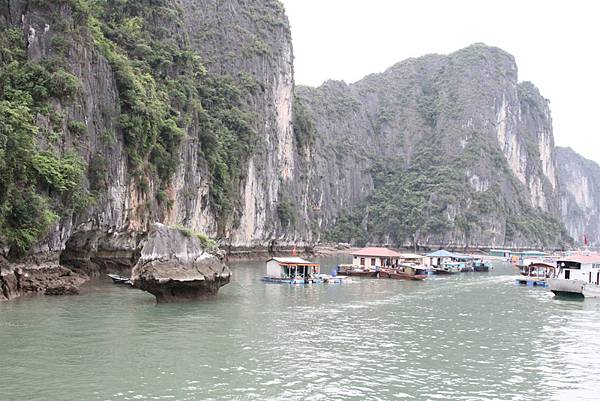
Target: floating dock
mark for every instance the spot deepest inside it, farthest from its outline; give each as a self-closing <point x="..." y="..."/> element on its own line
<point x="532" y="281"/>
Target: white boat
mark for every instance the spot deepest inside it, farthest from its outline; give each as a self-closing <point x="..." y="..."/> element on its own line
<point x="577" y="275"/>
<point x="120" y="280"/>
<point x="329" y="279"/>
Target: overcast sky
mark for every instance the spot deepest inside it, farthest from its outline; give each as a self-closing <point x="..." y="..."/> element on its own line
<point x="555" y="43"/>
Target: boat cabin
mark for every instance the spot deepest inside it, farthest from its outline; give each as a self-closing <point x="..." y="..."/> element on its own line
<point x="585" y="268"/>
<point x="375" y="258"/>
<point x="291" y="267"/>
<point x="412" y="258"/>
<point x="442" y="256"/>
<point x="413" y="269"/>
<point x="538" y="269"/>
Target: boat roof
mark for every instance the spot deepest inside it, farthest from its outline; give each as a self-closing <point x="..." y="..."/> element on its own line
<point x="541" y="264"/>
<point x="293" y="261"/>
<point x="442" y="253"/>
<point x="375" y="251"/>
<point x="531" y="252"/>
<point x="464" y="256"/>
<point x="411" y="256"/>
<point x="581" y="259"/>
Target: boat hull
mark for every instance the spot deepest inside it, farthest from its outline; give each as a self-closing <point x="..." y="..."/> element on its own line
<point x="401" y="275"/>
<point x="116" y="279"/>
<point x="591" y="290"/>
<point x="563" y="287"/>
<point x="295" y="281"/>
<point x="445" y="272"/>
<point x="361" y="273"/>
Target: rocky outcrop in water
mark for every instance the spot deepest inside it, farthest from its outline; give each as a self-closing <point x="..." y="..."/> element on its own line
<point x="175" y="266"/>
<point x="31" y="279"/>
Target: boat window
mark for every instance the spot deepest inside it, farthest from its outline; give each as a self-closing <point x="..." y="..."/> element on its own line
<point x="372" y="261"/>
<point x="567" y="274"/>
<point x="362" y="261"/>
<point x="569" y="264"/>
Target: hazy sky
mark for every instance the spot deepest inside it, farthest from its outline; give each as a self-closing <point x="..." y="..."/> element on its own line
<point x="555" y="43"/>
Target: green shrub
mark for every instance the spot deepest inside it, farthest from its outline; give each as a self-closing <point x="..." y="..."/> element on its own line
<point x="64" y="85"/>
<point x="59" y="174"/>
<point x="98" y="174"/>
<point x="27" y="217"/>
<point x="286" y="211"/>
<point x="78" y="128"/>
<point x="305" y="130"/>
<point x="207" y="243"/>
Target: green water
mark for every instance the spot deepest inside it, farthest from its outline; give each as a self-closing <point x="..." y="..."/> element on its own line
<point x="473" y="336"/>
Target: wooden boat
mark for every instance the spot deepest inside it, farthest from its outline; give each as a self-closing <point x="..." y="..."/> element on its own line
<point x="362" y="273"/>
<point x="120" y="280"/>
<point x="350" y="270"/>
<point x="400" y="275"/>
<point x="443" y="270"/>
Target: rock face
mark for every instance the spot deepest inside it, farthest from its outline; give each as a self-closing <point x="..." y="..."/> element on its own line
<point x="175" y="267"/>
<point x="463" y="118"/>
<point x="184" y="112"/>
<point x="244" y="89"/>
<point x="580" y="195"/>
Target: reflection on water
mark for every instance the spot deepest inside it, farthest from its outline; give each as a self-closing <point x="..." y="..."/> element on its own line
<point x="464" y="337"/>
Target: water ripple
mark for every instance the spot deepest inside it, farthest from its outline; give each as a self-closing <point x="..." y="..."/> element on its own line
<point x="465" y="337"/>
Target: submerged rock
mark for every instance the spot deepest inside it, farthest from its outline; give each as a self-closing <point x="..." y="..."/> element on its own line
<point x="174" y="266"/>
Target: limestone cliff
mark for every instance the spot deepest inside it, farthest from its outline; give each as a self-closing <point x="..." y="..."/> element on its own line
<point x="580" y="195"/>
<point x="116" y="115"/>
<point x="455" y="138"/>
<point x="177" y="111"/>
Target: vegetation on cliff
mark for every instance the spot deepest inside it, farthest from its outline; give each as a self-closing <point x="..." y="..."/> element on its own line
<point x="433" y="198"/>
<point x="429" y="129"/>
<point x="165" y="93"/>
<point x="38" y="184"/>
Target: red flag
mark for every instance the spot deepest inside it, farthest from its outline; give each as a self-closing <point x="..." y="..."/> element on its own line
<point x="294" y="251"/>
<point x="585" y="240"/>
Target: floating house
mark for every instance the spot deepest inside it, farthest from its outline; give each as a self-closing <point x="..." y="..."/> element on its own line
<point x="292" y="270"/>
<point x="375" y="258"/>
<point x="503" y="253"/>
<point x="444" y="262"/>
<point x="530" y="254"/>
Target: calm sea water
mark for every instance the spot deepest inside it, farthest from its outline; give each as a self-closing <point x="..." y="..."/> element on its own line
<point x="474" y="336"/>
